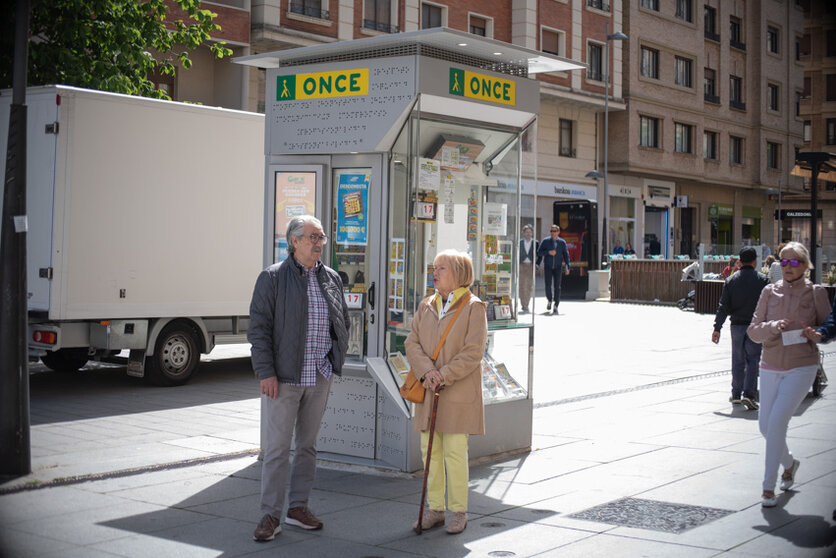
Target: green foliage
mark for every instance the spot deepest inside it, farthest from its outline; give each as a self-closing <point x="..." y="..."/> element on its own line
<point x="112" y="45"/>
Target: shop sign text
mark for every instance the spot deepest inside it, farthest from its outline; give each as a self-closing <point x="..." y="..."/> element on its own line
<point x="483" y="87"/>
<point x="321" y="85"/>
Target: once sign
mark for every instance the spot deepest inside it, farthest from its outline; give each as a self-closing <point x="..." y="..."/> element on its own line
<point x="320" y="85"/>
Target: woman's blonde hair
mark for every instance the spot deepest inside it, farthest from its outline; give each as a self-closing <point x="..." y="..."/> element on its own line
<point x="798" y="249"/>
<point x="460" y="265"/>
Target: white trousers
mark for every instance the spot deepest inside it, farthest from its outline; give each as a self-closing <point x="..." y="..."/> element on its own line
<point x="781" y="394"/>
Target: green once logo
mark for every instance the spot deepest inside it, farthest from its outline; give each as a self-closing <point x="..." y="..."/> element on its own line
<point x="286" y="88"/>
<point x="456" y="82"/>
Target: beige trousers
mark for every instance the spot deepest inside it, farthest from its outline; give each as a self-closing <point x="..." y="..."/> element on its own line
<point x="526" y="284"/>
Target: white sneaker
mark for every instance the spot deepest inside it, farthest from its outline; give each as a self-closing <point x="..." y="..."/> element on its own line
<point x="786" y="483"/>
<point x="769" y="501"/>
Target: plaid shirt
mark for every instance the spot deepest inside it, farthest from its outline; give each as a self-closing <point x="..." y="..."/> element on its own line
<point x="318" y="340"/>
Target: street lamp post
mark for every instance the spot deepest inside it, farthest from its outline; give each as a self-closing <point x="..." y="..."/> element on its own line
<point x="617" y="36"/>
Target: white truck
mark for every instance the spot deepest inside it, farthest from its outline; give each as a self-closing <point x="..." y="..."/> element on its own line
<point x="145" y="228"/>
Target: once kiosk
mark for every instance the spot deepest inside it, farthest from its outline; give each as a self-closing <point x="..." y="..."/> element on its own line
<point x="405" y="145"/>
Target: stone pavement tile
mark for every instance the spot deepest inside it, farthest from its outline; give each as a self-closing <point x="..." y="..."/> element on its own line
<point x="214" y="537"/>
<point x="321" y="547"/>
<point x="249" y="434"/>
<point x="143" y="479"/>
<point x="814" y="431"/>
<point x="105" y="523"/>
<point x="799" y="447"/>
<point x="20" y="544"/>
<point x="192" y="492"/>
<point x="825" y="482"/>
<point x="689" y="406"/>
<point x="698" y="438"/>
<point x="79" y="552"/>
<point x="529" y="469"/>
<point x="377" y="523"/>
<point x="734" y="419"/>
<point x="370" y="486"/>
<point x="212" y="444"/>
<point x="46" y="503"/>
<point x="489" y="536"/>
<point x="609" y="451"/>
<point x="607" y="546"/>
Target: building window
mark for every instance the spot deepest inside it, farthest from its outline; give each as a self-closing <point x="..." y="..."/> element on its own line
<point x="735" y="150"/>
<point x="651" y="5"/>
<point x="683" y="10"/>
<point x="377" y="15"/>
<point x="431" y="16"/>
<point x="709" y="145"/>
<point x="736" y="33"/>
<point x="797" y="48"/>
<point x="772" y="96"/>
<point x="598" y="5"/>
<point x="736" y="93"/>
<point x="773" y="40"/>
<point x="773" y="155"/>
<point x="831" y="131"/>
<point x="650" y="63"/>
<point x="310" y="8"/>
<point x="682" y="137"/>
<point x="710" y="86"/>
<point x="480" y="26"/>
<point x="805" y="45"/>
<point x="682" y="68"/>
<point x="808" y="131"/>
<point x="551" y="42"/>
<point x="593" y="58"/>
<point x="711" y="24"/>
<point x="830" y="87"/>
<point x="798" y="103"/>
<point x="648" y="131"/>
<point x="567" y="148"/>
<point x="830" y="49"/>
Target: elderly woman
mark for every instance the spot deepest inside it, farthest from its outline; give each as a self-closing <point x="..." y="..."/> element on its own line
<point x="783" y="322"/>
<point x="458" y="370"/>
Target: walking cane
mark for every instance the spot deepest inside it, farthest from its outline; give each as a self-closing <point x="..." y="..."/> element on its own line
<point x="418" y="528"/>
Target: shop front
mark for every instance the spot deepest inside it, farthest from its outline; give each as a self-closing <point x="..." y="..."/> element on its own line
<point x="658" y="220"/>
<point x="406" y="145"/>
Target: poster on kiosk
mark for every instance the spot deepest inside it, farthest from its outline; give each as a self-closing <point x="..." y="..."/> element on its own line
<point x="407" y="150"/>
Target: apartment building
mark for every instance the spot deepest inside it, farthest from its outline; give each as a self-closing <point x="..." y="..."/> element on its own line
<point x="712" y="122"/>
<point x="816" y="101"/>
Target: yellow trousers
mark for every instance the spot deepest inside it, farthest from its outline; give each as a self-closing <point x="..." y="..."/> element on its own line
<point x="448" y="469"/>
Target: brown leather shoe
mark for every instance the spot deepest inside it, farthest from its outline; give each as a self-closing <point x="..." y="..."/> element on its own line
<point x="267" y="529"/>
<point x="457" y="524"/>
<point x="302" y="517"/>
<point x="430" y="519"/>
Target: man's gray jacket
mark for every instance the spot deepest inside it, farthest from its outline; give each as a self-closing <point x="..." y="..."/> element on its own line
<point x="279" y="319"/>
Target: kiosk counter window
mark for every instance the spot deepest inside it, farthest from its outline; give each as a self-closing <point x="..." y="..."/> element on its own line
<point x="457" y="186"/>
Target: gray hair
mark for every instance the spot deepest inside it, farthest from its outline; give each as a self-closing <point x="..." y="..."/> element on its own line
<point x="296" y="229"/>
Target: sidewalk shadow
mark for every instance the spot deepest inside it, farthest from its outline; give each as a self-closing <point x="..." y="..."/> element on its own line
<point x="365" y="515"/>
<point x="106" y="390"/>
<point x="803" y="531"/>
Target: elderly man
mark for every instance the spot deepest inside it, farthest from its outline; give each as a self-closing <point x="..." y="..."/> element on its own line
<point x="528" y="255"/>
<point x="738" y="300"/>
<point x="299" y="334"/>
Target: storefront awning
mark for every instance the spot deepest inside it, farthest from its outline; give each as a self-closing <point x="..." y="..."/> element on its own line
<point x="450" y="40"/>
<point x="826" y="164"/>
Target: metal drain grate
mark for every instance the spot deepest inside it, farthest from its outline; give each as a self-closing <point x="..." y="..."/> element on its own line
<point x="652" y="515"/>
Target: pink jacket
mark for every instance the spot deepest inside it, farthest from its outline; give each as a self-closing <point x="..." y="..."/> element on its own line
<point x="801" y="302"/>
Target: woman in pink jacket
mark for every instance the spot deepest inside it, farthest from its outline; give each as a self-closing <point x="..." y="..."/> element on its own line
<point x="783" y="322"/>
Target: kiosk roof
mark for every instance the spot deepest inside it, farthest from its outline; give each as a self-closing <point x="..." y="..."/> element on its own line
<point x="452" y="41"/>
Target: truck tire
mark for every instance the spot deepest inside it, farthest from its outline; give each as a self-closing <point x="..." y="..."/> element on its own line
<point x="176" y="356"/>
<point x="66" y="360"/>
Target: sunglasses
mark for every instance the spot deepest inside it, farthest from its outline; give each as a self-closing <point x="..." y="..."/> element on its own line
<point x="785" y="262"/>
<point x="554" y="230"/>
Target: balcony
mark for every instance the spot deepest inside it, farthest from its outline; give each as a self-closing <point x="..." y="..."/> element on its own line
<point x="379" y="26"/>
<point x="598" y="5"/>
<point x="737" y="44"/>
<point x="709" y="98"/>
<point x="739" y="105"/>
<point x="307" y="10"/>
<point x="712" y="36"/>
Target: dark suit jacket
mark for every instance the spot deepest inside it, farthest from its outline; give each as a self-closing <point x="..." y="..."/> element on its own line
<point x="561" y="256"/>
<point x="532" y="255"/>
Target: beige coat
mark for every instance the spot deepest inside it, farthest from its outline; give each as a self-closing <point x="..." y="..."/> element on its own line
<point x="460" y="408"/>
<point x="801" y="302"/>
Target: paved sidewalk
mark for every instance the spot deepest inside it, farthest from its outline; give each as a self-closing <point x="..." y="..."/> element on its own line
<point x="636" y="452"/>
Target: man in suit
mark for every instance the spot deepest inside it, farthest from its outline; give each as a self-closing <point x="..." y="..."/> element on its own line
<point x="528" y="255"/>
<point x="554" y="254"/>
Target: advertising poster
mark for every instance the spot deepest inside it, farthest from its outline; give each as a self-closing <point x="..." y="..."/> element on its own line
<point x="295" y="195"/>
<point x="429" y="174"/>
<point x="352" y="209"/>
<point x="495" y="220"/>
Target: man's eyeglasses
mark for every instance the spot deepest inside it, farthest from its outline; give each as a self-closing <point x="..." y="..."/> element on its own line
<point x="785" y="262"/>
<point x="554" y="230"/>
<point x="315" y="238"/>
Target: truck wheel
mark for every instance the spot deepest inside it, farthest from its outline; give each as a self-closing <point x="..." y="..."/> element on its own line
<point x="176" y="356"/>
<point x="66" y="360"/>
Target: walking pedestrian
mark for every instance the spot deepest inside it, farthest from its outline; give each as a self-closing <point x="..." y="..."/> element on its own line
<point x="528" y="255"/>
<point x="554" y="254"/>
<point x="775" y="274"/>
<point x="784" y="315"/>
<point x="299" y="335"/>
<point x="458" y="369"/>
<point x="738" y="300"/>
